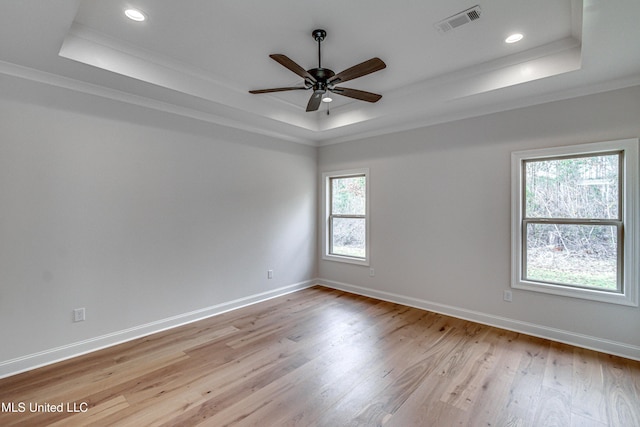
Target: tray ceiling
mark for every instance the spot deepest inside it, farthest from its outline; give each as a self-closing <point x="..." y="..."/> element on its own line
<point x="200" y="58"/>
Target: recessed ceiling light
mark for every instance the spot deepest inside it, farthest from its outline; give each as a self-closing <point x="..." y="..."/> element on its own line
<point x="327" y="99"/>
<point x="513" y="38"/>
<point x="135" y="15"/>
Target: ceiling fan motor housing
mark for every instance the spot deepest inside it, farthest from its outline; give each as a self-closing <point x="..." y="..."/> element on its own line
<point x="321" y="74"/>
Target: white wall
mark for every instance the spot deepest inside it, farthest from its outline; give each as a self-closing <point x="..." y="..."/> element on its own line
<point x="142" y="216"/>
<point x="137" y="216"/>
<point x="440" y="225"/>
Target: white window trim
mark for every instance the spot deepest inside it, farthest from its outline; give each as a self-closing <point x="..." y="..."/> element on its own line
<point x="630" y="218"/>
<point x="326" y="210"/>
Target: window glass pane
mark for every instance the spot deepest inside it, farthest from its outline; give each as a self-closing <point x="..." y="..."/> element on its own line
<point x="348" y="237"/>
<point x="579" y="187"/>
<point x="571" y="254"/>
<point x="348" y="195"/>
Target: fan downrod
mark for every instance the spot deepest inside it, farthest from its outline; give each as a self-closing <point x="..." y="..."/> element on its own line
<point x="320" y="74"/>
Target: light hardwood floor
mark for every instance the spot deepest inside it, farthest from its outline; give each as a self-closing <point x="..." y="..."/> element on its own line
<point x="321" y="357"/>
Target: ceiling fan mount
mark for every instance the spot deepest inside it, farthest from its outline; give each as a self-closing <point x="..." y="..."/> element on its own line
<point x="322" y="79"/>
<point x="319" y="35"/>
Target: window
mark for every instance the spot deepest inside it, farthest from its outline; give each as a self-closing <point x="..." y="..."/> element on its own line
<point x="346" y="225"/>
<point x="574" y="218"/>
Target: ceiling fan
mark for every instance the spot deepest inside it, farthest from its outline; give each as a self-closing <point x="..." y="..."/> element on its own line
<point x="322" y="80"/>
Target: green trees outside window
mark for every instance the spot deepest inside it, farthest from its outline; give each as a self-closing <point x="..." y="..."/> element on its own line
<point x="348" y="216"/>
<point x="573" y="220"/>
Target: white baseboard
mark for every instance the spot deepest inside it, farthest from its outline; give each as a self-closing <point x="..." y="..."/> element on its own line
<point x="567" y="337"/>
<point x="47" y="357"/>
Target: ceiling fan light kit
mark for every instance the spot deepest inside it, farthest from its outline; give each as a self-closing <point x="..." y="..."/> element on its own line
<point x="322" y="80"/>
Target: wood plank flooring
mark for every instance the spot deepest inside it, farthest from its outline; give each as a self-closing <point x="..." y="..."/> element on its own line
<point x="321" y="357"/>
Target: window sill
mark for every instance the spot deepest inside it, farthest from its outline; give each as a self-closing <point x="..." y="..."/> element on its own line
<point x="346" y="259"/>
<point x="581" y="293"/>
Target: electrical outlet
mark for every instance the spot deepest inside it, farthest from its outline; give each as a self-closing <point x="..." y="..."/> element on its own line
<point x="78" y="314"/>
<point x="269" y="274"/>
<point x="507" y="296"/>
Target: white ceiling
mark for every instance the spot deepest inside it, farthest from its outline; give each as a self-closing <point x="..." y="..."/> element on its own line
<point x="199" y="58"/>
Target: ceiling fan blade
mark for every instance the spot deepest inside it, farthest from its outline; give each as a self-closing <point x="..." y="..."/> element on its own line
<point x="314" y="101"/>
<point x="285" y="61"/>
<point x="277" y="89"/>
<point x="357" y="94"/>
<point x="362" y="69"/>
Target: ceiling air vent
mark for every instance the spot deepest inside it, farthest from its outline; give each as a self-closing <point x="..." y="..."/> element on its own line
<point x="459" y="19"/>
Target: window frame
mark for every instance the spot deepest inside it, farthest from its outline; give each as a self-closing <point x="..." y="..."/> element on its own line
<point x="327" y="222"/>
<point x="628" y="232"/>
